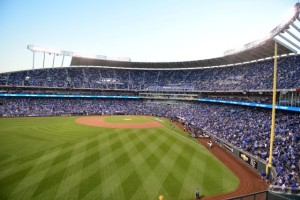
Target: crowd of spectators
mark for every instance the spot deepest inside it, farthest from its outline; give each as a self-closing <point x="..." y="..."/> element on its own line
<point x="244" y="127"/>
<point x="251" y="76"/>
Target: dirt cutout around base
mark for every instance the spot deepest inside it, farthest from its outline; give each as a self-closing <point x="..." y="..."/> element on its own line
<point x="99" y="121"/>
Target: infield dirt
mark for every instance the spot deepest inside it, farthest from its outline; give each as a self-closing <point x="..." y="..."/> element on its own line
<point x="99" y="121"/>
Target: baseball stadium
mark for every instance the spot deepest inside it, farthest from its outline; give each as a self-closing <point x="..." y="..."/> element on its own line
<point x="111" y="128"/>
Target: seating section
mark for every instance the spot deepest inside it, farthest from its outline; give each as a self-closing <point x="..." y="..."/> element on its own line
<point x="253" y="76"/>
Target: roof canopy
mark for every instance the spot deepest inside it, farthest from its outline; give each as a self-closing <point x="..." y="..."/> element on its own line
<point x="287" y="35"/>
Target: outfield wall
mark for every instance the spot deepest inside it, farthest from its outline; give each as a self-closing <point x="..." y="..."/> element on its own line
<point x="288" y="193"/>
<point x="265" y="195"/>
<point x="275" y="192"/>
<point x="253" y="161"/>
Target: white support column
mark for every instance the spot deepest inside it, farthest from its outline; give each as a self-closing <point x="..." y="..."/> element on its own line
<point x="53" y="60"/>
<point x="33" y="58"/>
<point x="44" y="61"/>
<point x="62" y="62"/>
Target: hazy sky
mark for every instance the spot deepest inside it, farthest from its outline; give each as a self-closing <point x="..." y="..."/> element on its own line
<point x="143" y="30"/>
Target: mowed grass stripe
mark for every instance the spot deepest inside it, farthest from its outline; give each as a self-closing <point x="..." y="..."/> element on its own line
<point x="135" y="183"/>
<point x="57" y="166"/>
<point x="72" y="177"/>
<point x="209" y="179"/>
<point x="13" y="166"/>
<point x="110" y="187"/>
<point x="59" y="129"/>
<point x="214" y="173"/>
<point x="117" y="149"/>
<point x="193" y="177"/>
<point x="109" y="167"/>
<point x="29" y="160"/>
<point x="130" y="182"/>
<point x="150" y="179"/>
<point x="54" y="176"/>
<point x="117" y="154"/>
<point x="120" y="172"/>
<point x="88" y="157"/>
<point x="18" y="169"/>
<point x="171" y="189"/>
<point x="160" y="172"/>
<point x="99" y="163"/>
<point x="112" y="142"/>
<point x="179" y="173"/>
<point x="145" y="169"/>
<point x="13" y="182"/>
<point x="91" y="181"/>
<point x="34" y="177"/>
<point x="64" y="168"/>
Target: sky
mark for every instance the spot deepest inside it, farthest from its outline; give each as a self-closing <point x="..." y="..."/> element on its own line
<point x="142" y="30"/>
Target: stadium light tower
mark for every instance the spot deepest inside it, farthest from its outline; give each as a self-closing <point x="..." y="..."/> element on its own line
<point x="37" y="49"/>
<point x="56" y="52"/>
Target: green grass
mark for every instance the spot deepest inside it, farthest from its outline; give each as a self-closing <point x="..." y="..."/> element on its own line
<point x="55" y="158"/>
<point x="125" y="119"/>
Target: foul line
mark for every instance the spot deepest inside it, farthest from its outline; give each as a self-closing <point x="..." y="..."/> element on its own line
<point x="196" y="142"/>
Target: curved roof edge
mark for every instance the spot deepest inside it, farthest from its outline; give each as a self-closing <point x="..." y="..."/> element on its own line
<point x="254" y="51"/>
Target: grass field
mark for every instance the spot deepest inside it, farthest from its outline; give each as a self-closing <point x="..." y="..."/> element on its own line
<point x="55" y="158"/>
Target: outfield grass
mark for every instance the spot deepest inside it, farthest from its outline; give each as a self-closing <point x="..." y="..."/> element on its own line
<point x="55" y="158"/>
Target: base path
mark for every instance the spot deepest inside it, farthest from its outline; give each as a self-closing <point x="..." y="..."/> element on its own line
<point x="100" y="122"/>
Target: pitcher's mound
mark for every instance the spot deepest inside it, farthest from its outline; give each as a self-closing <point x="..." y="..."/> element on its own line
<point x="100" y="122"/>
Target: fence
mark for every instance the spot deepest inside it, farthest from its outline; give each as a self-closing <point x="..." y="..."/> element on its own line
<point x="263" y="195"/>
<point x="266" y="195"/>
